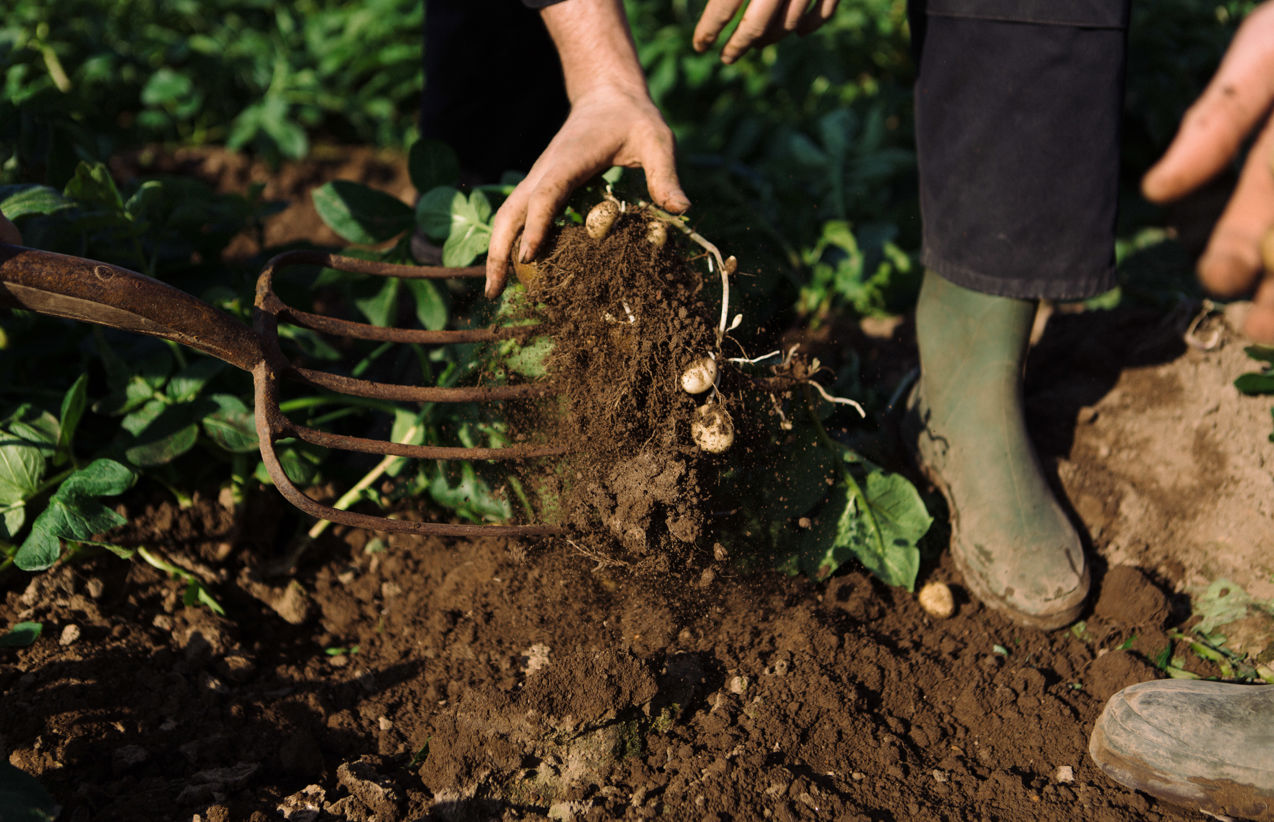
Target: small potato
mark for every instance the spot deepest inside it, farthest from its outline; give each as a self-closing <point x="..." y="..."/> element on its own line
<point x="600" y="219"/>
<point x="712" y="429"/>
<point x="657" y="233"/>
<point x="699" y="376"/>
<point x="528" y="274"/>
<point x="937" y="600"/>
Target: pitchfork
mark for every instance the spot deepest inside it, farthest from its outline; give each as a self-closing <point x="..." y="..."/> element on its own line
<point x="80" y="289"/>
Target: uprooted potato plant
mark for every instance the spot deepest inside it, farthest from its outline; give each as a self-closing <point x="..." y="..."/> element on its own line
<point x="683" y="446"/>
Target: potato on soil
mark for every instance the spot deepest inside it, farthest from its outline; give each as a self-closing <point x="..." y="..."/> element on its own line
<point x="937" y="600"/>
<point x="712" y="429"/>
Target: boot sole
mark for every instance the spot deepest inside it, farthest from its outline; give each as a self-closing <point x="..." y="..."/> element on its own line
<point x="1220" y="798"/>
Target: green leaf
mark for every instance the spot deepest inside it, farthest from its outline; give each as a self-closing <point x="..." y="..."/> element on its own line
<point x="166" y="86"/>
<point x="433" y="211"/>
<point x="100" y="478"/>
<point x="431" y="306"/>
<point x="92" y="185"/>
<point x="380" y="308"/>
<point x="432" y="163"/>
<point x="1264" y="353"/>
<point x="231" y="426"/>
<point x="245" y="126"/>
<point x="288" y="136"/>
<point x="23" y="798"/>
<point x="73" y="403"/>
<point x="1225" y="602"/>
<point x="893" y="553"/>
<point x="361" y="214"/>
<point x="21" y="200"/>
<point x="21" y="635"/>
<point x="73" y="513"/>
<point x="804" y="469"/>
<point x="24" y="451"/>
<point x="186" y="384"/>
<point x="300" y="462"/>
<point x="22" y="462"/>
<point x="161" y="433"/>
<point x="459" y="488"/>
<point x="470" y="231"/>
<point x="148" y="201"/>
<point x="881" y="528"/>
<point x="1256" y="383"/>
<point x="529" y="360"/>
<point x="133" y="383"/>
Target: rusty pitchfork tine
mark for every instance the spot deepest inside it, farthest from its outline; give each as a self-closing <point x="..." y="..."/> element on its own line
<point x="76" y="288"/>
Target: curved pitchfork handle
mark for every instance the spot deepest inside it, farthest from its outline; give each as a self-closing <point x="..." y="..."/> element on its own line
<point x="76" y="288"/>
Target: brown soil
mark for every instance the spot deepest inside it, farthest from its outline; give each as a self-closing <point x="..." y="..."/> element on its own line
<point x="409" y="679"/>
<point x="626" y="319"/>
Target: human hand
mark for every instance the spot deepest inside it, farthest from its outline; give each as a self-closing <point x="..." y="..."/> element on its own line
<point x="608" y="126"/>
<point x="9" y="232"/>
<point x="764" y="22"/>
<point x="1212" y="132"/>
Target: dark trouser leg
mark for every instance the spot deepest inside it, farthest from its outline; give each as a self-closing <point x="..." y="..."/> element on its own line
<point x="1017" y="137"/>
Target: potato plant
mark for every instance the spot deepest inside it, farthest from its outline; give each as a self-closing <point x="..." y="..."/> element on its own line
<point x="86" y="74"/>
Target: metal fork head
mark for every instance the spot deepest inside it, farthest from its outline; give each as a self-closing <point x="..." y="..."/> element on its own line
<point x="272" y="424"/>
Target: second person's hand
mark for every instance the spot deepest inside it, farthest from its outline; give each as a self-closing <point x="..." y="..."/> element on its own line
<point x="764" y="22"/>
<point x="1214" y="129"/>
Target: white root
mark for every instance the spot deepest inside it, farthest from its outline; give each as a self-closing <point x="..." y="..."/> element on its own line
<point x="822" y="392"/>
<point x="754" y="360"/>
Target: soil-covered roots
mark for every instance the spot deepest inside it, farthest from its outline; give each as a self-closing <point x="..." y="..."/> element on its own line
<point x="626" y="319"/>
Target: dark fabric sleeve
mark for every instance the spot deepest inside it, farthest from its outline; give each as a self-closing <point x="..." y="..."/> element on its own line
<point x="539" y="4"/>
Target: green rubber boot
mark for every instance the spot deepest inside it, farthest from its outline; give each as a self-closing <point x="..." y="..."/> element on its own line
<point x="1206" y="745"/>
<point x="1010" y="539"/>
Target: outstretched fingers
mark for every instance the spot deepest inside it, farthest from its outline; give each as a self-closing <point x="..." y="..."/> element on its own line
<point x="762" y="23"/>
<point x="1215" y="127"/>
<point x="1233" y="261"/>
<point x="818" y="14"/>
<point x="716" y="15"/>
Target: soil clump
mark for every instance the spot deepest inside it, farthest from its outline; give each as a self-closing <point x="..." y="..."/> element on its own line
<point x="626" y="317"/>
